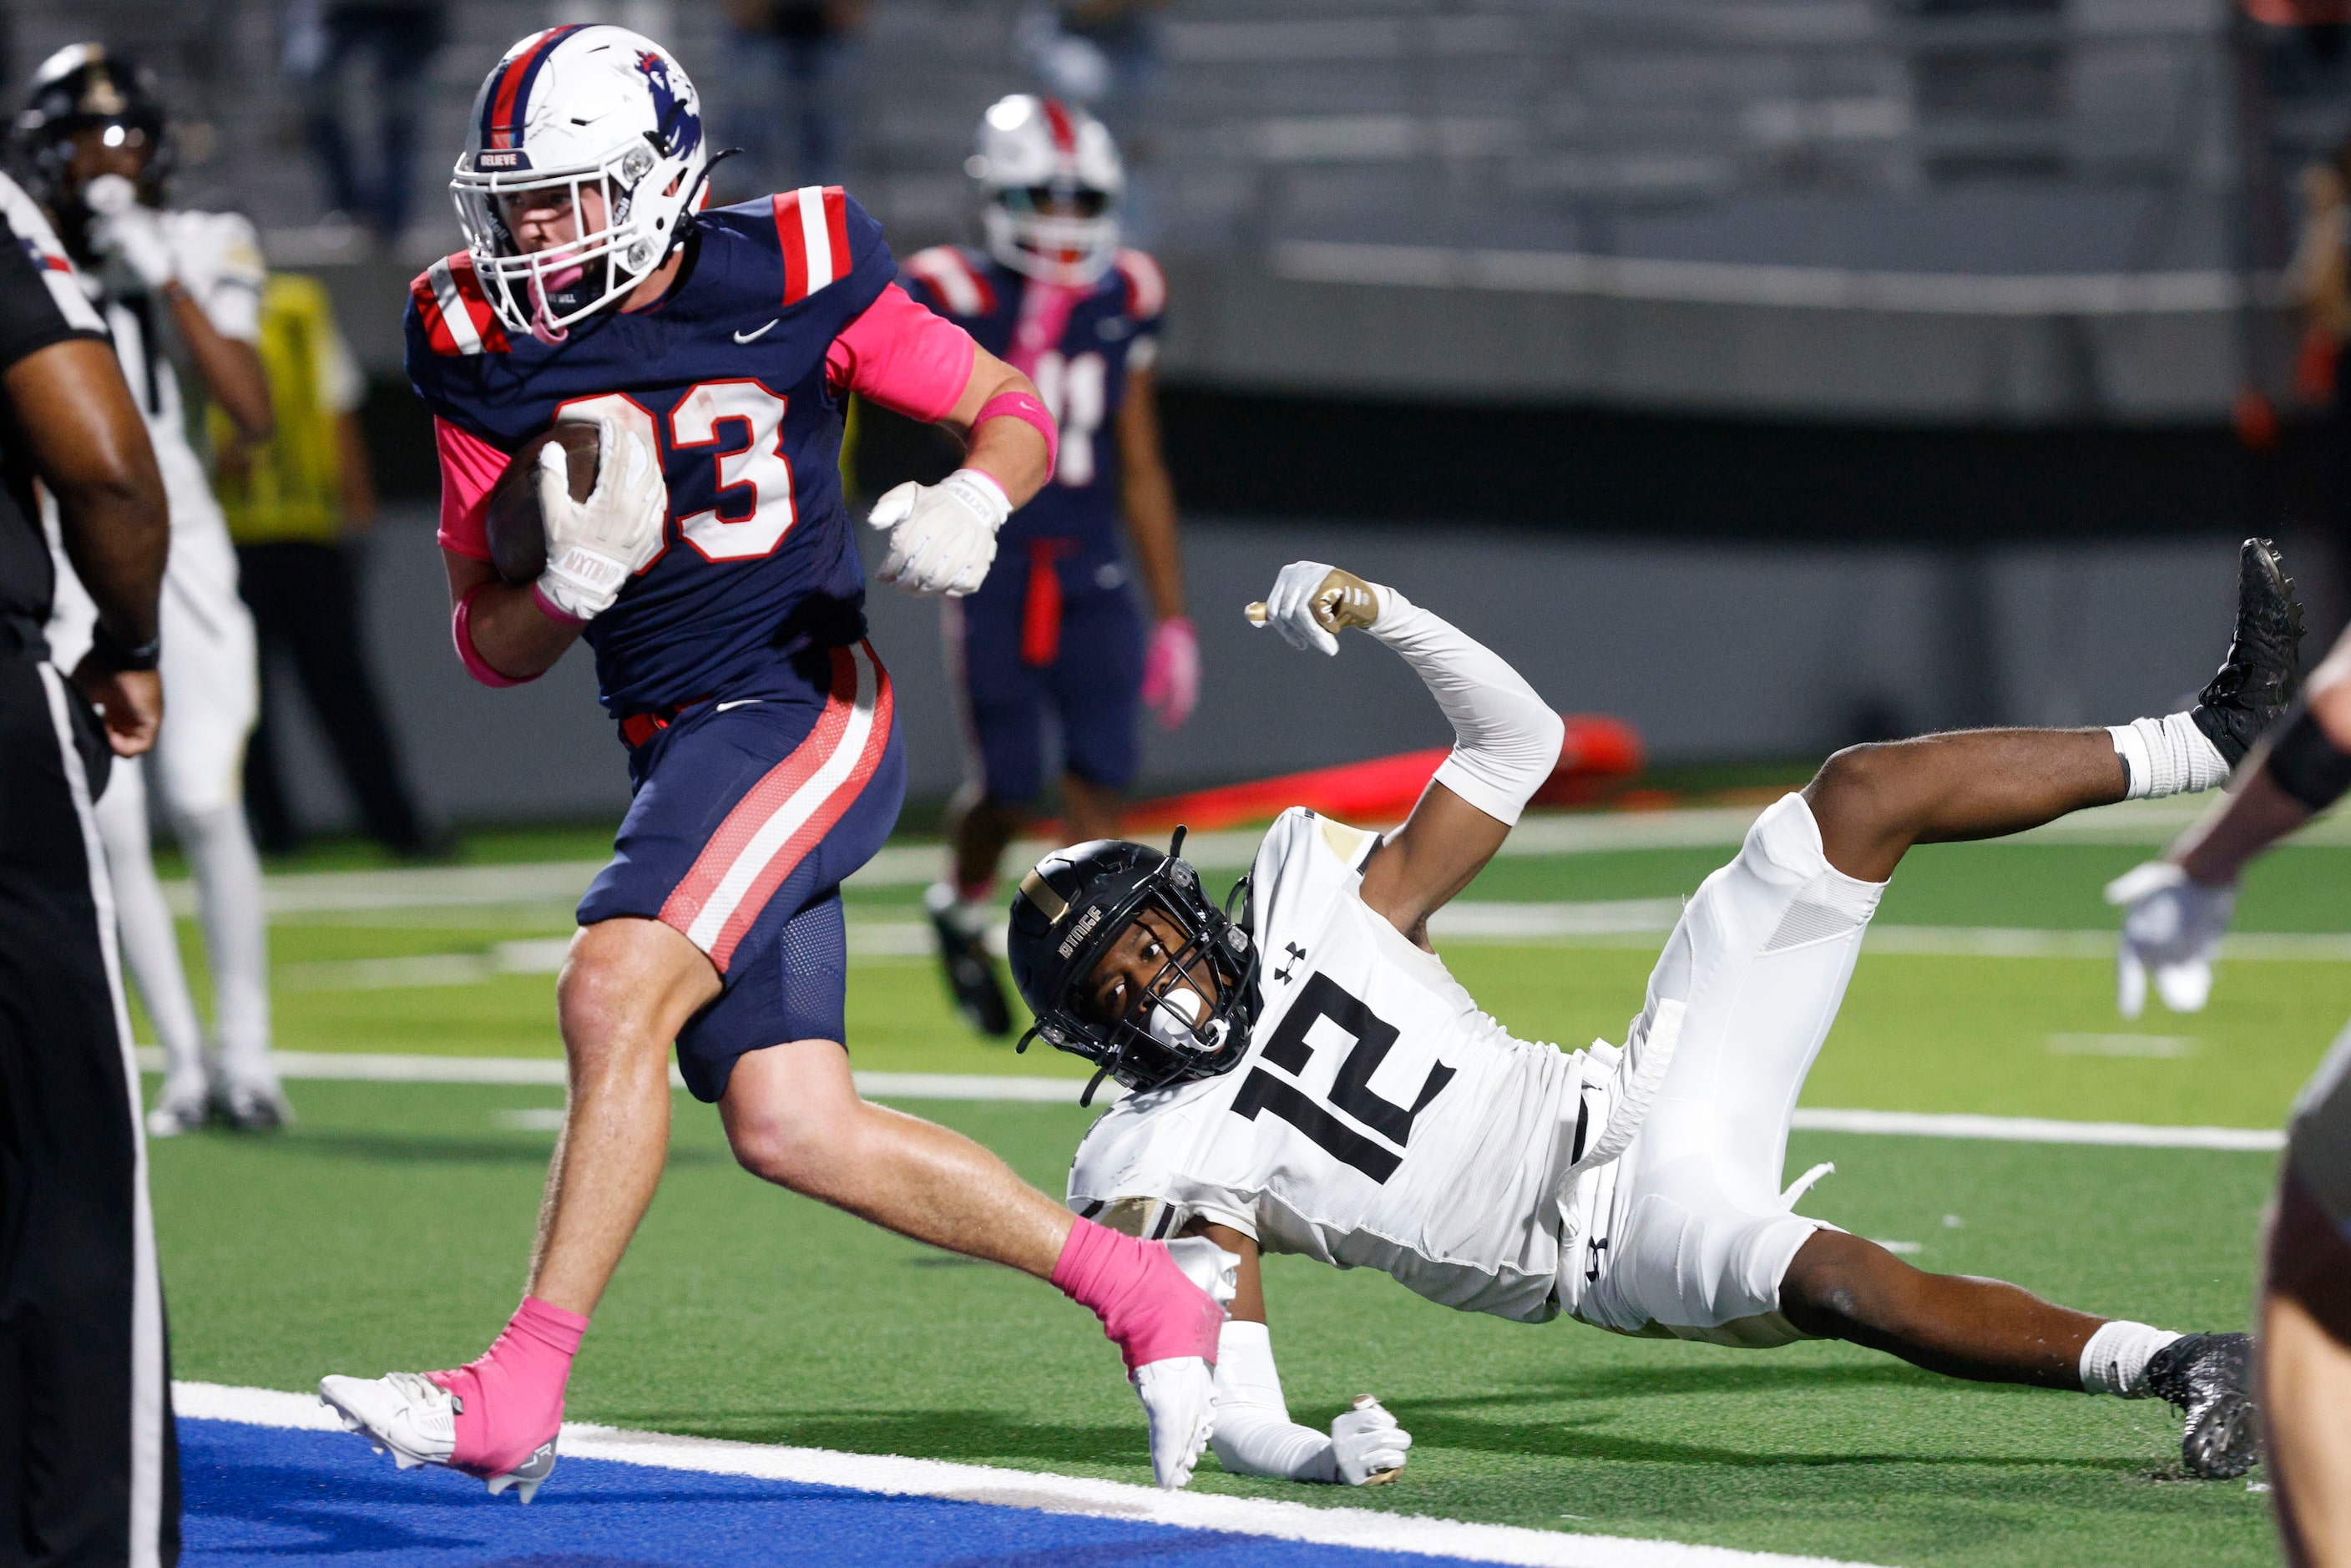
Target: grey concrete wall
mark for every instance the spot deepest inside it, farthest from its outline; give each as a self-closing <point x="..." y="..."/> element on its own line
<point x="1712" y="651"/>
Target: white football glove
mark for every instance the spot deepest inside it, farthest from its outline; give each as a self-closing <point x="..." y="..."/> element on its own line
<point x="942" y="535"/>
<point x="595" y="546"/>
<point x="130" y="232"/>
<point x="1311" y="603"/>
<point x="1367" y="1446"/>
<point x="2172" y="926"/>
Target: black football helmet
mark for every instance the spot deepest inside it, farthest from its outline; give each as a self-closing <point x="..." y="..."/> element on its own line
<point x="83" y="87"/>
<point x="1070" y="910"/>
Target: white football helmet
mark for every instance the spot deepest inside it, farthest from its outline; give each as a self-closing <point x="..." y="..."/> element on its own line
<point x="571" y="113"/>
<point x="1050" y="182"/>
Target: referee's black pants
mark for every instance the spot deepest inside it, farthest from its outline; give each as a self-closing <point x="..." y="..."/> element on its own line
<point x="88" y="1462"/>
<point x="305" y="601"/>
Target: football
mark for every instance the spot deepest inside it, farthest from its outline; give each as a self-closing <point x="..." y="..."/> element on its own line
<point x="517" y="534"/>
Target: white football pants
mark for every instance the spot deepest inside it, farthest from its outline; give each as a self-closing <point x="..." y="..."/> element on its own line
<point x="1686" y="1233"/>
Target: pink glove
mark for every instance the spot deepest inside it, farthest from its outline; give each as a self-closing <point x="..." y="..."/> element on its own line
<point x="1171" y="672"/>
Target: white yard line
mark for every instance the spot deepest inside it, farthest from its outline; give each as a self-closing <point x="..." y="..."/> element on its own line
<point x="548" y="1072"/>
<point x="2037" y="1130"/>
<point x="2149" y="823"/>
<point x="1638" y="923"/>
<point x="1354" y="1527"/>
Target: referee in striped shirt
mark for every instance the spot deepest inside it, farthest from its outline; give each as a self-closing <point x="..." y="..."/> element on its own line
<point x="89" y="1466"/>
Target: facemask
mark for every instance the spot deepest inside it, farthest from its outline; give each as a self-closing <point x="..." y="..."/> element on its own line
<point x="1176" y="1020"/>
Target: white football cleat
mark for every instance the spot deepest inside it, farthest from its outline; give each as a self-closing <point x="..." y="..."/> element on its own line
<point x="414" y="1419"/>
<point x="1179" y="1399"/>
<point x="184" y="1106"/>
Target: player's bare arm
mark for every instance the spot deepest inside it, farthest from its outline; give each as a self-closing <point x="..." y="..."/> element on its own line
<point x="1171" y="677"/>
<point x="1012" y="451"/>
<point x="1147" y="495"/>
<point x="511" y="634"/>
<point x="90" y="447"/>
<point x="1506" y="739"/>
<point x="230" y="369"/>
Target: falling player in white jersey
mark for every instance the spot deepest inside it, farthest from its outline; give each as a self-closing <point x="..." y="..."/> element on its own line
<point x="1309" y="1078"/>
<point x="96" y="148"/>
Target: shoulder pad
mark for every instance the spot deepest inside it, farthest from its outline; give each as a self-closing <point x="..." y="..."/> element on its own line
<point x="812" y="230"/>
<point x="948" y="273"/>
<point x="1146" y="285"/>
<point x="452" y="311"/>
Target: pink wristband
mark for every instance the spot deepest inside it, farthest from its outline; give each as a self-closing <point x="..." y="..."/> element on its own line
<point x="1026" y="408"/>
<point x="461" y="628"/>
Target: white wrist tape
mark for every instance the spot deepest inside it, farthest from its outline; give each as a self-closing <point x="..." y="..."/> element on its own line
<point x="1506" y="739"/>
<point x="1254" y="1435"/>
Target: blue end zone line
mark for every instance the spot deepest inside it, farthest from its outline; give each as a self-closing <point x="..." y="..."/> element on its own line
<point x="270" y="1476"/>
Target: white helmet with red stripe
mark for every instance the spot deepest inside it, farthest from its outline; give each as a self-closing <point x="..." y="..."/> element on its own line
<point x="1051" y="182"/>
<point x="598" y="118"/>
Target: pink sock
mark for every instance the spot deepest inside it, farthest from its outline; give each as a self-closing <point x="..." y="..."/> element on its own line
<point x="1149" y="1308"/>
<point x="514" y="1394"/>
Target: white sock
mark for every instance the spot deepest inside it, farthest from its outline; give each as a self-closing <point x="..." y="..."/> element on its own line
<point x="228" y="898"/>
<point x="970" y="916"/>
<point x="2115" y="1361"/>
<point x="2166" y="755"/>
<point x="151" y="943"/>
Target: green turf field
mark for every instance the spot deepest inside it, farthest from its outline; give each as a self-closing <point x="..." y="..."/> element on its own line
<point x="388" y="1229"/>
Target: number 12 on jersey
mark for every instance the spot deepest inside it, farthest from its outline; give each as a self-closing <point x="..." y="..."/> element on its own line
<point x="1351" y="1091"/>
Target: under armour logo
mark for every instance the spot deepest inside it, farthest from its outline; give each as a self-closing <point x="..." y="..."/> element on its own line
<point x="1592" y="1268"/>
<point x="1293" y="949"/>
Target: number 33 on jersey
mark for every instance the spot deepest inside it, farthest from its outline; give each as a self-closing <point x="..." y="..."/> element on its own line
<point x="726" y="378"/>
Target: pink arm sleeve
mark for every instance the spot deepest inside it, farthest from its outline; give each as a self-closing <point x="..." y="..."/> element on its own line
<point x="901" y="356"/>
<point x="469" y="466"/>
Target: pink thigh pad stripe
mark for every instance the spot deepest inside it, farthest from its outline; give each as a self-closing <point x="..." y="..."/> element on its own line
<point x="788" y="812"/>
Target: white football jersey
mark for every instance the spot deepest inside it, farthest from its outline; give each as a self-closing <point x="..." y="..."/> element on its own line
<point x="221" y="267"/>
<point x="1379" y="1120"/>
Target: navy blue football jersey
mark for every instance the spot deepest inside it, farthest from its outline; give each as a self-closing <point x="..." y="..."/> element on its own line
<point x="1111" y="328"/>
<point x="727" y="377"/>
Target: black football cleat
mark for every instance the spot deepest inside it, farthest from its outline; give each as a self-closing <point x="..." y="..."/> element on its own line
<point x="2209" y="1376"/>
<point x="970" y="969"/>
<point x="2263" y="673"/>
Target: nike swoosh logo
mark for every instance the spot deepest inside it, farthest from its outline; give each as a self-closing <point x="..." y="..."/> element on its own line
<point x="747" y="337"/>
<point x="740" y="702"/>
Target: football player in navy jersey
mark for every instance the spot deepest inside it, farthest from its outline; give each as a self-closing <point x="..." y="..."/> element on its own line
<point x="1054" y="627"/>
<point x="713" y="570"/>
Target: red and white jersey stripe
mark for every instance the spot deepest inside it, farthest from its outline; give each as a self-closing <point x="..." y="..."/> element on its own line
<point x="456" y="312"/>
<point x="1146" y="285"/>
<point x="31" y="227"/>
<point x="958" y="284"/>
<point x="787" y="813"/>
<point x="812" y="224"/>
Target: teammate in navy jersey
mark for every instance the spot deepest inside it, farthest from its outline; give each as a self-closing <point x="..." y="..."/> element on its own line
<point x="1054" y="628"/>
<point x="713" y="570"/>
